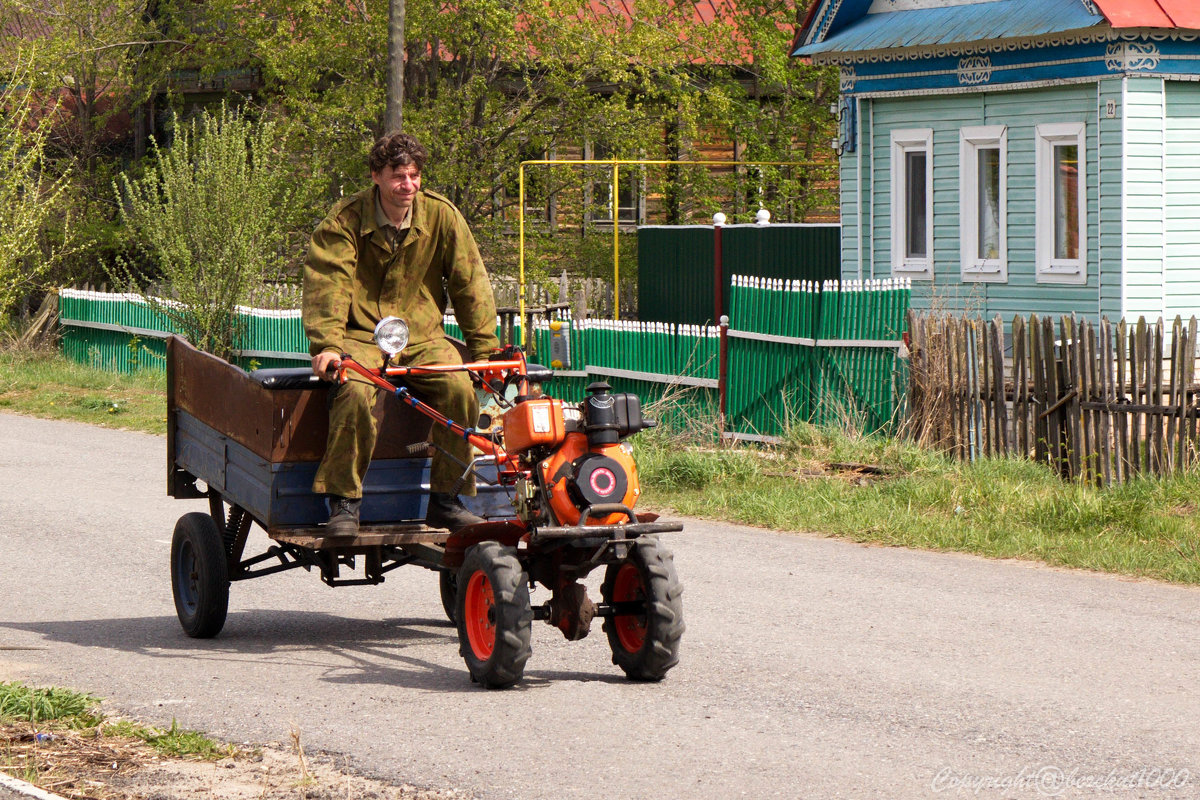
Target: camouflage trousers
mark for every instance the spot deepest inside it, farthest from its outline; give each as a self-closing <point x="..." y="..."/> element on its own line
<point x="354" y="425"/>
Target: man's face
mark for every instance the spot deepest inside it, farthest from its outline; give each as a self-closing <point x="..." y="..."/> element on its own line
<point x="398" y="185"/>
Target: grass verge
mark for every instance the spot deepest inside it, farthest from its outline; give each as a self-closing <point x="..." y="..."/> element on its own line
<point x="885" y="492"/>
<point x="47" y="385"/>
<point x="58" y="739"/>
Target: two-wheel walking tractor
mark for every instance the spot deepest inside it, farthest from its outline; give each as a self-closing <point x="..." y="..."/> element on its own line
<point x="557" y="486"/>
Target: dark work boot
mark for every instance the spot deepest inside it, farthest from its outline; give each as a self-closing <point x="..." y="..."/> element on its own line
<point x="343" y="516"/>
<point x="447" y="511"/>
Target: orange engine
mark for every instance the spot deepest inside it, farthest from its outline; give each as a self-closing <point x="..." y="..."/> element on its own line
<point x="577" y="476"/>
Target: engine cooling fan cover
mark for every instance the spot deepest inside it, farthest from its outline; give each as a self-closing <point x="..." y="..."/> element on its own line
<point x="598" y="479"/>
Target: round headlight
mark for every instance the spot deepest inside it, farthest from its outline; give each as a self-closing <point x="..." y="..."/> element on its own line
<point x="391" y="334"/>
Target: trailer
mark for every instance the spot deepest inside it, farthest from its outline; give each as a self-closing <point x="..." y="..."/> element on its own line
<point x="250" y="443"/>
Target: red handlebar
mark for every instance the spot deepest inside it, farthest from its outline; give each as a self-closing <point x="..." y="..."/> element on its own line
<point x="486" y="369"/>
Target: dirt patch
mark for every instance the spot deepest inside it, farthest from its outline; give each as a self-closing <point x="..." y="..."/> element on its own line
<point x="851" y="472"/>
<point x="82" y="765"/>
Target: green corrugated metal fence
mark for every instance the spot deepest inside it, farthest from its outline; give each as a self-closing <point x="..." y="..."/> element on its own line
<point x="675" y="273"/>
<point x="676" y="263"/>
<point x="811" y="252"/>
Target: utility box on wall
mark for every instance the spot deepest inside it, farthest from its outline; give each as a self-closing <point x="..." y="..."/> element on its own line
<point x="677" y="263"/>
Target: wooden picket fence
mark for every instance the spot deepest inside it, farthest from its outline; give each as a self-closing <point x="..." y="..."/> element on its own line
<point x="1102" y="403"/>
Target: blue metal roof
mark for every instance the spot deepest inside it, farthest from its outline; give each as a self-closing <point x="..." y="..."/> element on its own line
<point x="998" y="19"/>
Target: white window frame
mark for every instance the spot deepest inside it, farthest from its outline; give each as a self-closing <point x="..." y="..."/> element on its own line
<point x="905" y="141"/>
<point x="974" y="140"/>
<point x="1050" y="269"/>
<point x="544" y="213"/>
<point x="603" y="215"/>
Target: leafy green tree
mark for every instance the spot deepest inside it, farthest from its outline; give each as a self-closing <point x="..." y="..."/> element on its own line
<point x="215" y="216"/>
<point x="29" y="195"/>
<point x="487" y="82"/>
<point x="782" y="114"/>
<point x="101" y="58"/>
<point x="103" y="62"/>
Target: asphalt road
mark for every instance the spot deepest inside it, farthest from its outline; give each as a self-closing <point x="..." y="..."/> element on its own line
<point x="811" y="668"/>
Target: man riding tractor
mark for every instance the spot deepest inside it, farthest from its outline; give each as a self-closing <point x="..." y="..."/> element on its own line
<point x="396" y="250"/>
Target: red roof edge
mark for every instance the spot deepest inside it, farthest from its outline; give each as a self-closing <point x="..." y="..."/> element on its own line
<point x="1185" y="13"/>
<point x="802" y="28"/>
<point x="1135" y="13"/>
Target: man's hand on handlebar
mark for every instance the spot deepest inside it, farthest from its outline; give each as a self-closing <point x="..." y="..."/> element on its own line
<point x="324" y="365"/>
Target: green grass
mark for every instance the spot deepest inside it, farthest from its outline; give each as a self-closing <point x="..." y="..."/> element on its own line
<point x="53" y="709"/>
<point x="175" y="742"/>
<point x="48" y="385"/>
<point x="995" y="508"/>
<point x="20" y="703"/>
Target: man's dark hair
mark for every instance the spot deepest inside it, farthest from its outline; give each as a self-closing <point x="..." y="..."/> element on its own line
<point x="397" y="148"/>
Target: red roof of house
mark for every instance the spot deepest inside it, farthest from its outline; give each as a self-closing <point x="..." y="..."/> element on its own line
<point x="1151" y="13"/>
<point x="703" y="12"/>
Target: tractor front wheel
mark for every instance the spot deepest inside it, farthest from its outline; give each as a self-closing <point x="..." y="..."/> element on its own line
<point x="645" y="638"/>
<point x="493" y="615"/>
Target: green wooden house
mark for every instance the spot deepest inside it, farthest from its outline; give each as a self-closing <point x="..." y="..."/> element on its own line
<point x="1019" y="156"/>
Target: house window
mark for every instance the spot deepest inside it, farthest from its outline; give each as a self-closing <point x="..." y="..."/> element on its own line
<point x="630" y="209"/>
<point x="541" y="199"/>
<point x="983" y="168"/>
<point x="1061" y="204"/>
<point x="912" y="202"/>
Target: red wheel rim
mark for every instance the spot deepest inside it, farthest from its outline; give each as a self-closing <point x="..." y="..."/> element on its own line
<point x="479" y="616"/>
<point x="631" y="630"/>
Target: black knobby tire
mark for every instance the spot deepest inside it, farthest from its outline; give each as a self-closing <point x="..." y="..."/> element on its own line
<point x="448" y="587"/>
<point x="199" y="575"/>
<point x="493" y="615"/>
<point x="645" y="645"/>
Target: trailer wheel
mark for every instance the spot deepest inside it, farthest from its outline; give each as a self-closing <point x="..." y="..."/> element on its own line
<point x="493" y="615"/>
<point x="448" y="586"/>
<point x="199" y="576"/>
<point x="645" y="644"/>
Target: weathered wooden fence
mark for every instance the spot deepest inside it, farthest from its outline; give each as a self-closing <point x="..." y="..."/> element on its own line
<point x="1102" y="403"/>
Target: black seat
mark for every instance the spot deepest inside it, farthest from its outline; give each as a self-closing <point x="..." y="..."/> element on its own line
<point x="288" y="378"/>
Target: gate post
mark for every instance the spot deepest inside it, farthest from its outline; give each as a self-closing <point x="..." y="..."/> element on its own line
<point x="720" y="318"/>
